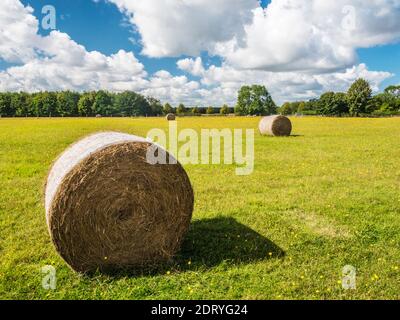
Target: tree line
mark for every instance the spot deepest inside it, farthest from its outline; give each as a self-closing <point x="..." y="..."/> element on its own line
<point x="95" y="103"/>
<point x="252" y="100"/>
<point x="357" y="101"/>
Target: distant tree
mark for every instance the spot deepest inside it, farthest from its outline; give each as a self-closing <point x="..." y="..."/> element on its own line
<point x="384" y="103"/>
<point x="224" y="110"/>
<point x="358" y="97"/>
<point x="6" y="109"/>
<point x="156" y="108"/>
<point x="85" y="104"/>
<point x="301" y="107"/>
<point x="45" y="104"/>
<point x="391" y="98"/>
<point x="210" y="110"/>
<point x="289" y="108"/>
<point x="67" y="103"/>
<point x="168" y="109"/>
<point x="294" y="106"/>
<point x="333" y="104"/>
<point x="181" y="109"/>
<point x="103" y="103"/>
<point x="130" y="104"/>
<point x="196" y="111"/>
<point x="394" y="91"/>
<point x="202" y="110"/>
<point x="255" y="100"/>
<point x="286" y="109"/>
<point x="238" y="110"/>
<point x="311" y="106"/>
<point x="21" y="103"/>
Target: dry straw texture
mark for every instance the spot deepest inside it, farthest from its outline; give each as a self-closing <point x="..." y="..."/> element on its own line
<point x="107" y="208"/>
<point x="170" y="117"/>
<point x="275" y="126"/>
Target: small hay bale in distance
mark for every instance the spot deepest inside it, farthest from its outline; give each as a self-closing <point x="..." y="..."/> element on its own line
<point x="279" y="126"/>
<point x="170" y="117"/>
<point x="107" y="208"/>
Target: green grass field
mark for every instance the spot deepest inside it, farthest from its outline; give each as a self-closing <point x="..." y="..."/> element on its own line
<point x="325" y="198"/>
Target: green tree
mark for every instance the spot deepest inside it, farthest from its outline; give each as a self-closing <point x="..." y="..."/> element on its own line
<point x="384" y="103"/>
<point x="21" y="103"/>
<point x="358" y="97"/>
<point x="45" y="104"/>
<point x="255" y="100"/>
<point x="224" y="110"/>
<point x="130" y="103"/>
<point x="294" y="106"/>
<point x="311" y="107"/>
<point x="85" y="104"/>
<point x="286" y="109"/>
<point x="210" y="110"/>
<point x="181" y="109"/>
<point x="67" y="103"/>
<point x="103" y="103"/>
<point x="5" y="105"/>
<point x="168" y="109"/>
<point x="301" y="107"/>
<point x="392" y="98"/>
<point x="156" y="108"/>
<point x="195" y="110"/>
<point x="394" y="91"/>
<point x="289" y="108"/>
<point x="333" y="104"/>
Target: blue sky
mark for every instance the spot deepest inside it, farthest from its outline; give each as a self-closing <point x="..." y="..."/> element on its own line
<point x="385" y="58"/>
<point x="102" y="27"/>
<point x="208" y="72"/>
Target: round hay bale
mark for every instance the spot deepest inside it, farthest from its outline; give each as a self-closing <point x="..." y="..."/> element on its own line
<point x="275" y="126"/>
<point x="170" y="117"/>
<point x="107" y="208"/>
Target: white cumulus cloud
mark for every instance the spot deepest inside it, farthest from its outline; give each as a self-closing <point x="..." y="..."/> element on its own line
<point x="177" y="27"/>
<point x="313" y="35"/>
<point x="287" y="35"/>
<point x="222" y="83"/>
<point x="296" y="48"/>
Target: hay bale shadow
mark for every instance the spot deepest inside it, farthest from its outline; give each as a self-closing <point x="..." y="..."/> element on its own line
<point x="213" y="241"/>
<point x="210" y="243"/>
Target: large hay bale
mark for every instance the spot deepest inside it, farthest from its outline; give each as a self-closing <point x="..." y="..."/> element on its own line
<point x="275" y="126"/>
<point x="108" y="208"/>
<point x="170" y="117"/>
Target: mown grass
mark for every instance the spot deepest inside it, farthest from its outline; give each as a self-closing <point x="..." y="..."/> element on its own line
<point x="325" y="198"/>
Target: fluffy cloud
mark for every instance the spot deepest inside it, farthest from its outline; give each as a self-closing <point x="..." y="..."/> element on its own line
<point x="288" y="35"/>
<point x="223" y="82"/>
<point x="173" y="89"/>
<point x="290" y="64"/>
<point x="63" y="64"/>
<point x="56" y="62"/>
<point x="18" y="32"/>
<point x="178" y="27"/>
<point x="313" y="35"/>
<point x="194" y="67"/>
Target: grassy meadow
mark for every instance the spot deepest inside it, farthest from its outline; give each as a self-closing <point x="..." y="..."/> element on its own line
<point x="327" y="197"/>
